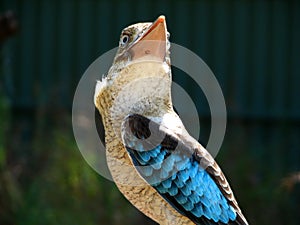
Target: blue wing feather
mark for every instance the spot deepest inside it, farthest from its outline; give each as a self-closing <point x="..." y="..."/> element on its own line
<point x="180" y="179"/>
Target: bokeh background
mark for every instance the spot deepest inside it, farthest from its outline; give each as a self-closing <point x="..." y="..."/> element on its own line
<point x="252" y="47"/>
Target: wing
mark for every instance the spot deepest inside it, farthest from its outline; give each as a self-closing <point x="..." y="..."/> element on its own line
<point x="181" y="171"/>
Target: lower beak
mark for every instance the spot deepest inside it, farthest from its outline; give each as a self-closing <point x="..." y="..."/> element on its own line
<point x="153" y="44"/>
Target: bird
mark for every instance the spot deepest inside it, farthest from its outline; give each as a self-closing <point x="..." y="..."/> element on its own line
<point x="161" y="169"/>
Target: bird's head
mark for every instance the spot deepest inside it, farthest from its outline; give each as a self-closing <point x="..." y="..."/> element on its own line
<point x="143" y="55"/>
<point x="143" y="41"/>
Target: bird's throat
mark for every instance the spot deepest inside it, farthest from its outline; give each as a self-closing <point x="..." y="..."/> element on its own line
<point x="143" y="87"/>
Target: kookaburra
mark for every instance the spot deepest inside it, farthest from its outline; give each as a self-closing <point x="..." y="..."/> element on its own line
<point x="156" y="164"/>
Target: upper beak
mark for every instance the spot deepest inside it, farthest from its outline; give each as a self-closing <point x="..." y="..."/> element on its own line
<point x="152" y="44"/>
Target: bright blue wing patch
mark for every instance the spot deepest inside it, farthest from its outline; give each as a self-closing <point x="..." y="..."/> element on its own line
<point x="191" y="186"/>
<point x="181" y="181"/>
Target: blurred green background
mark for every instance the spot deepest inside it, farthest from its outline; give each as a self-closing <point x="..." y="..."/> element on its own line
<point x="252" y="47"/>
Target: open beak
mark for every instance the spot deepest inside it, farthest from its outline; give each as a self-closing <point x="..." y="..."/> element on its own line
<point x="152" y="44"/>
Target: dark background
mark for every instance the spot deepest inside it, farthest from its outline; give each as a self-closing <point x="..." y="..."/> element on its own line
<point x="252" y="47"/>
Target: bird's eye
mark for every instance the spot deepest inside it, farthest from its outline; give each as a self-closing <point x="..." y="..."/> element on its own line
<point x="124" y="40"/>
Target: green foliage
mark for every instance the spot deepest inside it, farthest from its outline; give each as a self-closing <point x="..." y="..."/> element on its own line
<point x="3" y="126"/>
<point x="60" y="188"/>
<point x="55" y="184"/>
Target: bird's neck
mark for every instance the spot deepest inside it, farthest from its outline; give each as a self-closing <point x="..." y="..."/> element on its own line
<point x="142" y="88"/>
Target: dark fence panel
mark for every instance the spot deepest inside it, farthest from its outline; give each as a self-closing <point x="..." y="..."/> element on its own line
<point x="251" y="47"/>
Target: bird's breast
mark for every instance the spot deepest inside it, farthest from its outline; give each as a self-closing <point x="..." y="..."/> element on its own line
<point x="140" y="88"/>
